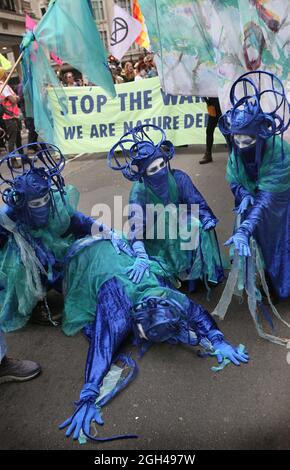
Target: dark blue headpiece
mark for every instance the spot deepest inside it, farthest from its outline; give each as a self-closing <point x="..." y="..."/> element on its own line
<point x="38" y="175"/>
<point x="159" y="317"/>
<point x="138" y="150"/>
<point x="260" y="108"/>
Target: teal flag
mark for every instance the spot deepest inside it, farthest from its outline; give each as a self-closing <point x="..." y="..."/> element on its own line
<point x="68" y="30"/>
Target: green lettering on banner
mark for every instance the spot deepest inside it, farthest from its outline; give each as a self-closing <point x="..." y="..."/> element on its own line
<point x="94" y="117"/>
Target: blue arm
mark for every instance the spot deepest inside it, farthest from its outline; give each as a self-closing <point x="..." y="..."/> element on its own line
<point x="239" y="193"/>
<point x="189" y="194"/>
<point x="202" y="322"/>
<point x="264" y="202"/>
<point x="80" y="225"/>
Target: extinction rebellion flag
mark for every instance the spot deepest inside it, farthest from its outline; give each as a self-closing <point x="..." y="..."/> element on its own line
<point x="125" y="29"/>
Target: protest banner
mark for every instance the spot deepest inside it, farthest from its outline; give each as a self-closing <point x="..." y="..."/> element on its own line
<point x="95" y="122"/>
<point x="216" y="41"/>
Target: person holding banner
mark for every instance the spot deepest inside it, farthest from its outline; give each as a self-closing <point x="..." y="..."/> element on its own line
<point x="188" y="243"/>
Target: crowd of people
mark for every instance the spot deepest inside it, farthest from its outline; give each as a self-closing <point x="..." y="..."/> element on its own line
<point x="128" y="71"/>
<point x="12" y="110"/>
<point x="122" y="72"/>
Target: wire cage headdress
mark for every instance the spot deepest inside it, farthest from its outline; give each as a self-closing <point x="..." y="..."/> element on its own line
<point x="137" y="149"/>
<point x="37" y="173"/>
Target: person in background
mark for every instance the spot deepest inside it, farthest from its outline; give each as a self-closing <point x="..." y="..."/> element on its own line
<point x="150" y="65"/>
<point x="116" y="74"/>
<point x="11" y="116"/>
<point x="69" y="79"/>
<point x="141" y="72"/>
<point x="29" y="121"/>
<point x="14" y="370"/>
<point x="214" y="113"/>
<point x="128" y="74"/>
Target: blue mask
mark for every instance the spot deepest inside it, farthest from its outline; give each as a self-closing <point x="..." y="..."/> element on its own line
<point x="39" y="210"/>
<point x="39" y="217"/>
<point x="158" y="183"/>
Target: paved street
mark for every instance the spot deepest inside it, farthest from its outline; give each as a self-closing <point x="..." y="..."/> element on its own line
<point x="176" y="401"/>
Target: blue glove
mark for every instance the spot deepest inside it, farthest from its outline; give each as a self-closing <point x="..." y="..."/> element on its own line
<point x="225" y="350"/>
<point x="241" y="242"/>
<point x="81" y="420"/>
<point x="246" y="202"/>
<point x="137" y="271"/>
<point x="141" y="265"/>
<point x="209" y="224"/>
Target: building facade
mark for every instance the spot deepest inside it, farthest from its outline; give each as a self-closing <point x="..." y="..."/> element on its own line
<point x="12" y="27"/>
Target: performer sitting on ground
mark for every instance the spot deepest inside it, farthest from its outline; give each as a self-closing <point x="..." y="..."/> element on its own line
<point x="258" y="171"/>
<point x="188" y="243"/>
<point x="38" y="224"/>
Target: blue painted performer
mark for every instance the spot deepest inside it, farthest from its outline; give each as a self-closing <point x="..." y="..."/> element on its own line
<point x="258" y="171"/>
<point x="188" y="243"/>
<point x="111" y="307"/>
<point x="38" y="224"/>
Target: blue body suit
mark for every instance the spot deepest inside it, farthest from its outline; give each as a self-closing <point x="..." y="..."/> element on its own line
<point x="268" y="220"/>
<point x="193" y="264"/>
<point x="50" y="244"/>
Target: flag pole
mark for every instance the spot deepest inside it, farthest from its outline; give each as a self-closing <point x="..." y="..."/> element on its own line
<point x="11" y="72"/>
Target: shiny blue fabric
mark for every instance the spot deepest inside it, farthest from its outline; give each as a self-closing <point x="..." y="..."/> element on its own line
<point x="187" y="194"/>
<point x="80" y="226"/>
<point x="114" y="323"/>
<point x="268" y="220"/>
